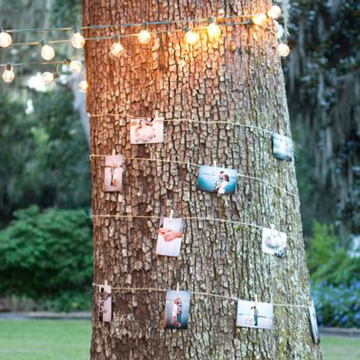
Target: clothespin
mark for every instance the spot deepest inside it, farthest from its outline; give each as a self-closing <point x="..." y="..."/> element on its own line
<point x="156" y="114"/>
<point x="171" y="214"/>
<point x="106" y="283"/>
<point x="255" y="299"/>
<point x="114" y="152"/>
<point x="177" y="288"/>
<point x="214" y="165"/>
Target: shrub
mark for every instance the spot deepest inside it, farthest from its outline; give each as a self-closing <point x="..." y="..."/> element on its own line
<point x="46" y="255"/>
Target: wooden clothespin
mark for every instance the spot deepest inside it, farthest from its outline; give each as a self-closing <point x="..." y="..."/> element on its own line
<point x="255" y="299"/>
<point x="177" y="288"/>
<point x="214" y="165"/>
<point x="106" y="283"/>
<point x="171" y="214"/>
<point x="156" y="114"/>
<point x="114" y="152"/>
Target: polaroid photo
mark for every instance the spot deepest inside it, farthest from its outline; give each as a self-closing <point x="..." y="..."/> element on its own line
<point x="313" y="322"/>
<point x="274" y="242"/>
<point x="217" y="180"/>
<point x="104" y="303"/>
<point x="254" y="315"/>
<point x="283" y="148"/>
<point x="177" y="309"/>
<point x="147" y="131"/>
<point x="170" y="237"/>
<point x="113" y="173"/>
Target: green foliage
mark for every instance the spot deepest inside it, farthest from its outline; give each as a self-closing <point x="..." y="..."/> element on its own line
<point x="47" y="256"/>
<point x="42" y="154"/>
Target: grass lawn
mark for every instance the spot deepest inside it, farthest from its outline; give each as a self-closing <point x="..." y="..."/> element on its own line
<point x="70" y="340"/>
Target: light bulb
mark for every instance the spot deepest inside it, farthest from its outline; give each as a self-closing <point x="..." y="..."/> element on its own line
<point x="75" y="66"/>
<point x="83" y="86"/>
<point x="8" y="75"/>
<point x="259" y="19"/>
<point x="214" y="31"/>
<point x="5" y="39"/>
<point x="144" y="37"/>
<point x="47" y="77"/>
<point x="191" y="37"/>
<point x="77" y="41"/>
<point x="47" y="52"/>
<point x="279" y="30"/>
<point x="117" y="49"/>
<point x="283" y="50"/>
<point x="274" y="12"/>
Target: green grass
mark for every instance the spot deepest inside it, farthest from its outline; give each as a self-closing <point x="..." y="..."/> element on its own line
<point x="70" y="340"/>
<point x="45" y="340"/>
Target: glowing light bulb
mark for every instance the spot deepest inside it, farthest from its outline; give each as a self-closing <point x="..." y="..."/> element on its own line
<point x="117" y="49"/>
<point x="191" y="37"/>
<point x="144" y="36"/>
<point x="283" y="50"/>
<point x="8" y="75"/>
<point x="47" y="77"/>
<point x="5" y="39"/>
<point x="47" y="52"/>
<point x="274" y="12"/>
<point x="259" y="19"/>
<point x="83" y="86"/>
<point x="213" y="31"/>
<point x="75" y="66"/>
<point x="77" y="40"/>
<point x="279" y="30"/>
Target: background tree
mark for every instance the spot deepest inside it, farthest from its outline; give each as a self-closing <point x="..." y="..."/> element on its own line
<point x="238" y="78"/>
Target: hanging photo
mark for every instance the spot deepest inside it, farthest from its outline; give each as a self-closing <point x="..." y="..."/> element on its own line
<point x="273" y="242"/>
<point x="177" y="309"/>
<point x="104" y="303"/>
<point x="113" y="173"/>
<point x="314" y="327"/>
<point x="282" y="147"/>
<point x="147" y="131"/>
<point x="217" y="180"/>
<point x="170" y="237"/>
<point x="254" y="315"/>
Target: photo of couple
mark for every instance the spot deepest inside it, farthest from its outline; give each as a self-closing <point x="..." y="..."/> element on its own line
<point x="147" y="131"/>
<point x="113" y="173"/>
<point x="282" y="147"/>
<point x="170" y="237"/>
<point x="254" y="314"/>
<point x="104" y="303"/>
<point x="274" y="242"/>
<point x="177" y="309"/>
<point x="217" y="180"/>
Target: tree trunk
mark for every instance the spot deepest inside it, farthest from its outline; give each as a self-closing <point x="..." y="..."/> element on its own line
<point x="237" y="79"/>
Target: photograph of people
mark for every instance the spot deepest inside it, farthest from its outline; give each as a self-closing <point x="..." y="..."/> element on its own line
<point x="177" y="309"/>
<point x="313" y="322"/>
<point x="254" y="315"/>
<point x="147" y="131"/>
<point x="282" y="147"/>
<point x="274" y="242"/>
<point x="113" y="173"/>
<point x="105" y="303"/>
<point x="169" y="237"/>
<point x="217" y="180"/>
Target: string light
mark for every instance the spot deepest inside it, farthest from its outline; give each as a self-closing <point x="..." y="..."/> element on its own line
<point x="259" y="19"/>
<point x="213" y="30"/>
<point x="75" y="66"/>
<point x="77" y="40"/>
<point x="8" y="75"/>
<point x="116" y="48"/>
<point x="144" y="36"/>
<point x="274" y="12"/>
<point x="283" y="50"/>
<point x="5" y="39"/>
<point x="49" y="77"/>
<point x="47" y="51"/>
<point x="83" y="86"/>
<point x="191" y="37"/>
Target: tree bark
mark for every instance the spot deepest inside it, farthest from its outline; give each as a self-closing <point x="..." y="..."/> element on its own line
<point x="237" y="79"/>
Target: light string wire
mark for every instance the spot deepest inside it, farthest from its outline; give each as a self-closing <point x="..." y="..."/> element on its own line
<point x="197" y="165"/>
<point x="181" y="120"/>
<point x="196" y="293"/>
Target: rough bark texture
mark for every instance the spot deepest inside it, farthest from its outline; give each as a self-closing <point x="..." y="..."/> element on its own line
<point x="237" y="79"/>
